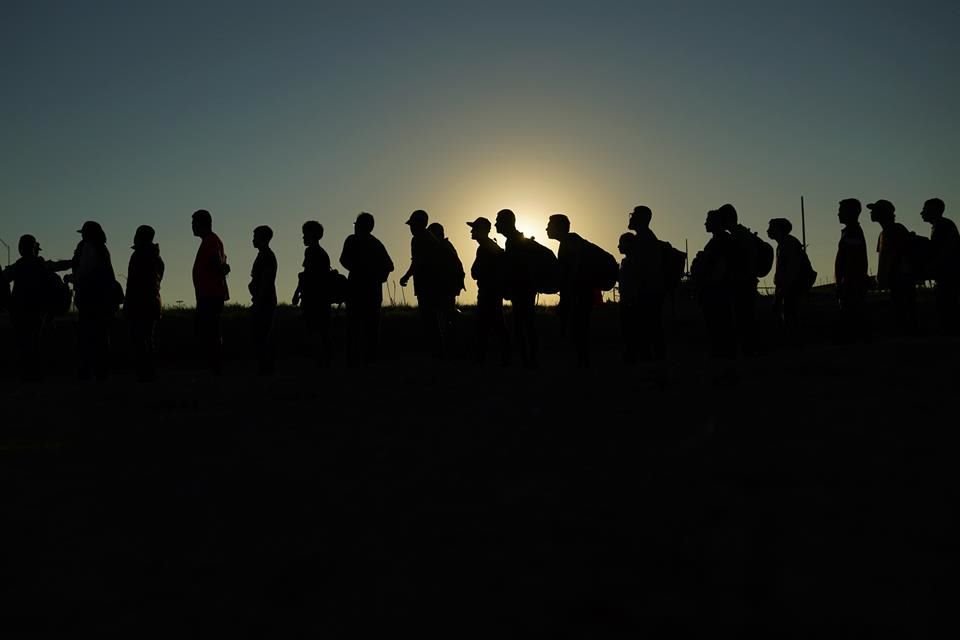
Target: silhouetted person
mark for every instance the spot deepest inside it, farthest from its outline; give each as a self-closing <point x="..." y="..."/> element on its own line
<point x="210" y="270"/>
<point x="716" y="285"/>
<point x="488" y="271"/>
<point x="450" y="282"/>
<point x="427" y="270"/>
<point x="369" y="265"/>
<point x="790" y="279"/>
<point x="142" y="305"/>
<point x="646" y="263"/>
<point x="519" y="286"/>
<point x="312" y="295"/>
<point x="743" y="279"/>
<point x="31" y="300"/>
<point x="577" y="294"/>
<point x="850" y="273"/>
<point x="263" y="294"/>
<point x="945" y="245"/>
<point x="894" y="269"/>
<point x="97" y="299"/>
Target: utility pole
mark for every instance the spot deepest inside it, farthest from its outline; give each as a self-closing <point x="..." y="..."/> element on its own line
<point x="686" y="259"/>
<point x="803" y="224"/>
<point x="3" y="242"/>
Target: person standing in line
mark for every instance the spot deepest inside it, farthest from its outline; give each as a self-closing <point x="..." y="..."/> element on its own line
<point x="98" y="296"/>
<point x="850" y="274"/>
<point x="945" y="245"/>
<point x="895" y="270"/>
<point x="487" y="271"/>
<point x="142" y="304"/>
<point x="210" y="270"/>
<point x="312" y="295"/>
<point x="263" y="294"/>
<point x="368" y="265"/>
<point x="426" y="265"/>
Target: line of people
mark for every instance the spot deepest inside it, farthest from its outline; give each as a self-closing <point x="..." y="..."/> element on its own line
<point x="725" y="275"/>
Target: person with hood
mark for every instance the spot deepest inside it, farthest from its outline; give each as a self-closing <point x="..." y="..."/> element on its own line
<point x="142" y="305"/>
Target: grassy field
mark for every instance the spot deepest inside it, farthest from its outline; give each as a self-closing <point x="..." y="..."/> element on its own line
<point x="817" y="491"/>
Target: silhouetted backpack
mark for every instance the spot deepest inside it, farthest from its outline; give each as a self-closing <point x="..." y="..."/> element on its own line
<point x="336" y="287"/>
<point x="809" y="275"/>
<point x="4" y="293"/>
<point x="59" y="296"/>
<point x="674" y="262"/>
<point x="544" y="268"/>
<point x="601" y="268"/>
<point x="920" y="257"/>
<point x="763" y="257"/>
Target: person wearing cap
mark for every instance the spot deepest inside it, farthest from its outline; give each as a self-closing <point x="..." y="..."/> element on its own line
<point x="142" y="304"/>
<point x="311" y="294"/>
<point x="645" y="264"/>
<point x="263" y="295"/>
<point x="368" y="265"/>
<point x="850" y="273"/>
<point x="894" y="269"/>
<point x="98" y="295"/>
<point x="945" y="246"/>
<point x="790" y="279"/>
<point x="577" y="295"/>
<point x="519" y="287"/>
<point x="426" y="269"/>
<point x="30" y="302"/>
<point x="487" y="271"/>
<point x="210" y="270"/>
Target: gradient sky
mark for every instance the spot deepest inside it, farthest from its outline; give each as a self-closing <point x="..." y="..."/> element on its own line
<point x="278" y="112"/>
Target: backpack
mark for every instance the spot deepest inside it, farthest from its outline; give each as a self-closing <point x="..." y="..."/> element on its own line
<point x="59" y="296"/>
<point x="4" y="293"/>
<point x="544" y="268"/>
<point x="763" y="257"/>
<point x="674" y="262"/>
<point x="600" y="268"/>
<point x="809" y="276"/>
<point x="336" y="287"/>
<point x="920" y="257"/>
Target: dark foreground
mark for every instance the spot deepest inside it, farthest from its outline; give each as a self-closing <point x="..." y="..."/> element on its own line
<point x="816" y="491"/>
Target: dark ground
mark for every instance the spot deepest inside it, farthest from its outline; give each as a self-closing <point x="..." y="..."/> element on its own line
<point x="819" y="492"/>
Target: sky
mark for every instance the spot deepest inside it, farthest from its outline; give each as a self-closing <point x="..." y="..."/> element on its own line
<point x="274" y="113"/>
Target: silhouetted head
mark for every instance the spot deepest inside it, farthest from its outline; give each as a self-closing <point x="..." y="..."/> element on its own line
<point x="640" y="218"/>
<point x="143" y="237"/>
<point x="418" y="221"/>
<point x="627" y="243"/>
<point x="202" y="222"/>
<point x="312" y="232"/>
<point x="714" y="221"/>
<point x="436" y="230"/>
<point x="849" y="211"/>
<point x="882" y="211"/>
<point x="363" y="226"/>
<point x="92" y="232"/>
<point x="506" y="223"/>
<point x="262" y="236"/>
<point x="479" y="228"/>
<point x="558" y="226"/>
<point x="933" y="210"/>
<point x="779" y="228"/>
<point x="728" y="216"/>
<point x="28" y="246"/>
